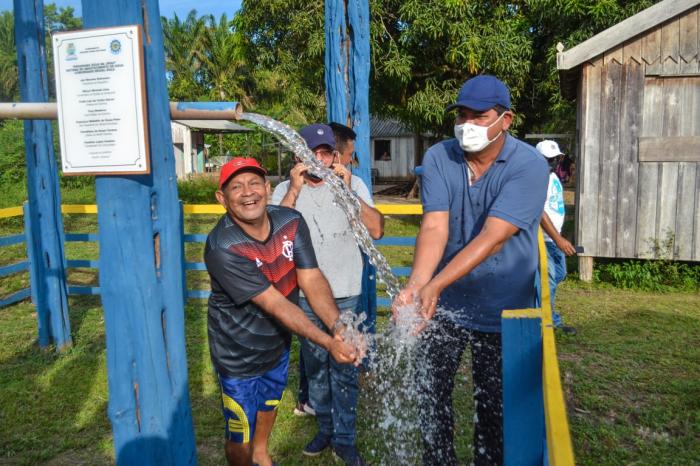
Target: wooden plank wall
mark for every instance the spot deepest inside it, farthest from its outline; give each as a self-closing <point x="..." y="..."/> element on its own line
<point x="646" y="87"/>
<point x="403" y="150"/>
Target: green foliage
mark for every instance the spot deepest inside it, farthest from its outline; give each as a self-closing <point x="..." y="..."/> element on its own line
<point x="422" y="51"/>
<point x="661" y="274"/>
<point x="283" y="44"/>
<point x="12" y="164"/>
<point x="9" y="89"/>
<point x="199" y="190"/>
<point x="569" y="22"/>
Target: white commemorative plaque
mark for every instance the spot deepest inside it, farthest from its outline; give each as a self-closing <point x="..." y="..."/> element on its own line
<point x="101" y="101"/>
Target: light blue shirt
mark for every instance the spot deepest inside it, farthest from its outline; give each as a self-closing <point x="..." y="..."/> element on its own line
<point x="513" y="189"/>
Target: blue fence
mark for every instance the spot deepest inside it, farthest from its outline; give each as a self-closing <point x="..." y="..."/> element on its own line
<point x="79" y="290"/>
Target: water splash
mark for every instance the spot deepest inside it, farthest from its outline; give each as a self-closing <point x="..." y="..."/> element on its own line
<point x="344" y="198"/>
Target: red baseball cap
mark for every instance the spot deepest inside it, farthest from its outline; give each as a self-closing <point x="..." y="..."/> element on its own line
<point x="237" y="164"/>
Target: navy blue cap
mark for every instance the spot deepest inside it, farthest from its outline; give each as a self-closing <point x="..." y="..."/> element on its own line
<point x="482" y="93"/>
<point x="317" y="135"/>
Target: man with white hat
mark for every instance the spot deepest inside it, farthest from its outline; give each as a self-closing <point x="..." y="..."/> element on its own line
<point x="552" y="221"/>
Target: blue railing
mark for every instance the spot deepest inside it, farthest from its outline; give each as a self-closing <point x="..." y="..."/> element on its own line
<point x="17" y="267"/>
<point x="82" y="290"/>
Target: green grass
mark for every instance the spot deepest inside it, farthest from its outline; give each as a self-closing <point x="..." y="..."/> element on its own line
<point x="631" y="376"/>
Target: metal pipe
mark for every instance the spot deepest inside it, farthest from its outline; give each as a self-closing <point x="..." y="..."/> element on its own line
<point x="178" y="110"/>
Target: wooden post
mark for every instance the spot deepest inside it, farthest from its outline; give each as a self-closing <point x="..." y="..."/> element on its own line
<point x="347" y="73"/>
<point x="523" y="401"/>
<point x="141" y="277"/>
<point x="347" y="96"/>
<point x="585" y="268"/>
<point x="47" y="238"/>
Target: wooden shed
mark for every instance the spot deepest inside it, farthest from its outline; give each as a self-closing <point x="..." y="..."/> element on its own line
<point x="188" y="143"/>
<point x="637" y="86"/>
<point x="394" y="148"/>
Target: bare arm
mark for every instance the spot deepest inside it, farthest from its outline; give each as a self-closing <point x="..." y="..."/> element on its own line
<point x="296" y="181"/>
<point x="489" y="241"/>
<point x="319" y="295"/>
<point x="291" y="316"/>
<point x="372" y="219"/>
<point x="561" y="242"/>
<point x="430" y="246"/>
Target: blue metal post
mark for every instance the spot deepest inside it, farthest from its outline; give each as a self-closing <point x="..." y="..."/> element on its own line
<point x="141" y="279"/>
<point x="347" y="96"/>
<point x="48" y="270"/>
<point x="523" y="402"/>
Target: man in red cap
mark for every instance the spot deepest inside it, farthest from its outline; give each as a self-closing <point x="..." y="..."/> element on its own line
<point x="258" y="256"/>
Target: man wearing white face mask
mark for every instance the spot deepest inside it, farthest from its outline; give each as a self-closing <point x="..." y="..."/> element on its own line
<point x="476" y="255"/>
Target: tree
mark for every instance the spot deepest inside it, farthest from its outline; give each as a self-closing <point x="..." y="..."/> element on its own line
<point x="224" y="65"/>
<point x="423" y="50"/>
<point x="184" y="43"/>
<point x="574" y="22"/>
<point x="9" y="86"/>
<point x="283" y="44"/>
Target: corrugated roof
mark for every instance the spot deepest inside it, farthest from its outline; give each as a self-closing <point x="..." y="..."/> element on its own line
<point x="387" y="128"/>
<point x="622" y="31"/>
<point x="214" y="126"/>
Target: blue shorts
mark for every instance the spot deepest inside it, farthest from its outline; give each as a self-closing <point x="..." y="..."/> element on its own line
<point x="243" y="398"/>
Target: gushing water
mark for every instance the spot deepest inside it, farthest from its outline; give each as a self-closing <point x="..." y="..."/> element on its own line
<point x="344" y="198"/>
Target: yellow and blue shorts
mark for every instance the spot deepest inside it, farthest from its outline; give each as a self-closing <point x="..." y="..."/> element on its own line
<point x="243" y="398"/>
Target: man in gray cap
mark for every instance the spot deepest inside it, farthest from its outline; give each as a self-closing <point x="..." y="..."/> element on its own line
<point x="476" y="255"/>
<point x="333" y="387"/>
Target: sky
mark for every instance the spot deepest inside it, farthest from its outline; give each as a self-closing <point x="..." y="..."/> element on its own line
<point x="167" y="7"/>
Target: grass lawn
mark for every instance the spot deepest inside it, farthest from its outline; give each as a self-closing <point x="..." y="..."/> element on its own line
<point x="631" y="376"/>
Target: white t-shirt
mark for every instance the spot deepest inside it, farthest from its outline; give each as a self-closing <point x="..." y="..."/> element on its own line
<point x="337" y="252"/>
<point x="554" y="204"/>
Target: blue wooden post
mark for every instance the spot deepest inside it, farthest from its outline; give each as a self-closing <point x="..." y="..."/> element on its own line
<point x="523" y="402"/>
<point x="33" y="274"/>
<point x="347" y="73"/>
<point x="48" y="270"/>
<point x="347" y="96"/>
<point x="141" y="276"/>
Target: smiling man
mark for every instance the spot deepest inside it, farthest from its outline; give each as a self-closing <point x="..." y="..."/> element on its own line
<point x="476" y="255"/>
<point x="258" y="256"/>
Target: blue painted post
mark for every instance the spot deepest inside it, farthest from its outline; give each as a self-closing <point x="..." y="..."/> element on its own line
<point x="347" y="73"/>
<point x="33" y="274"/>
<point x="141" y="278"/>
<point x="523" y="402"/>
<point x="347" y="96"/>
<point x="47" y="238"/>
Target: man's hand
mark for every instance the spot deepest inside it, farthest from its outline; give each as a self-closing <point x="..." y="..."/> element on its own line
<point x="342" y="352"/>
<point x="353" y="337"/>
<point x="340" y="170"/>
<point x="406" y="311"/>
<point x="427" y="300"/>
<point x="565" y="246"/>
<point x="296" y="176"/>
<point x="406" y="297"/>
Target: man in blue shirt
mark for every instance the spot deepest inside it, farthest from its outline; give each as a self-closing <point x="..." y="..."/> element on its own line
<point x="476" y="255"/>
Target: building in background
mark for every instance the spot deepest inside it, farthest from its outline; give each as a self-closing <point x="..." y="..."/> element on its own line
<point x="637" y="87"/>
<point x="395" y="149"/>
<point x="191" y="154"/>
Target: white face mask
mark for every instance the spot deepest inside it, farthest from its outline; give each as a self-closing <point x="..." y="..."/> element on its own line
<point x="474" y="138"/>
